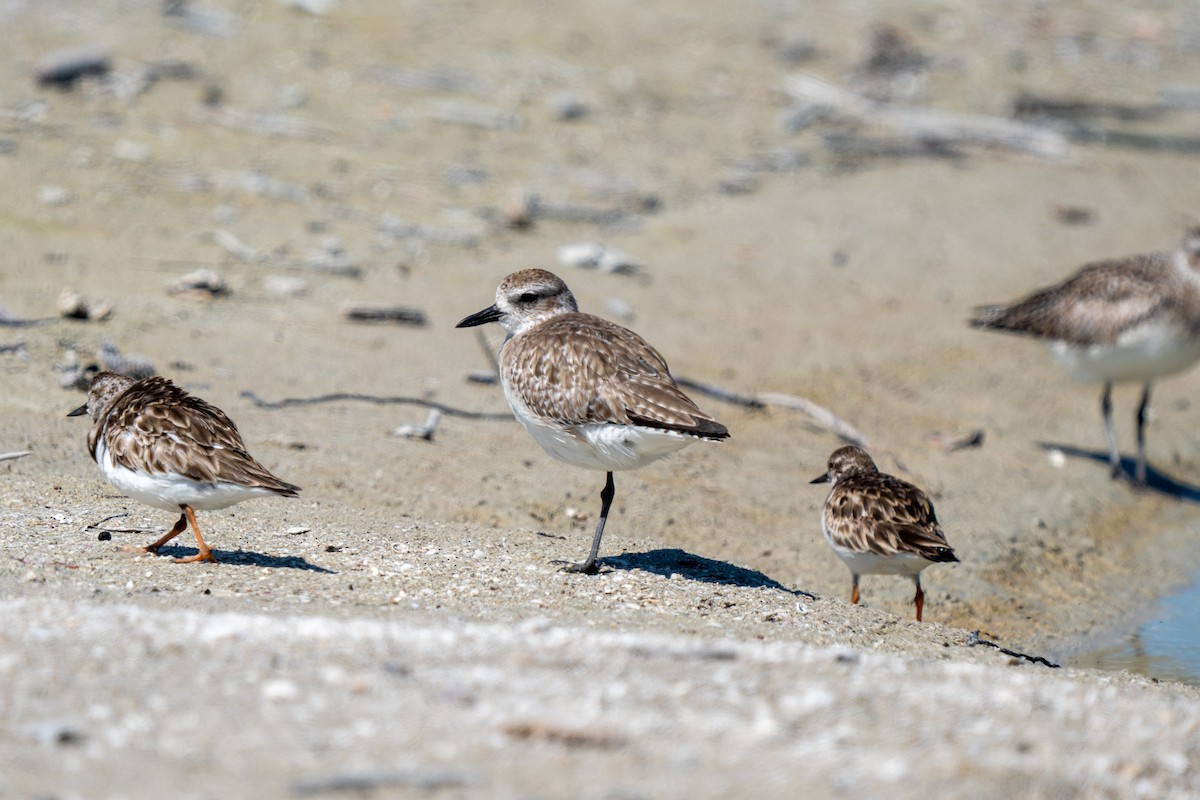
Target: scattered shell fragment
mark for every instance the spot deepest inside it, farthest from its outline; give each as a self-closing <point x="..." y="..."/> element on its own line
<point x="201" y="284"/>
<point x="71" y="305"/>
<point x="235" y="246"/>
<point x="284" y="286"/>
<point x="423" y="432"/>
<point x="948" y="443"/>
<point x="593" y="255"/>
<point x="567" y="106"/>
<point x="53" y="196"/>
<point x="1058" y="459"/>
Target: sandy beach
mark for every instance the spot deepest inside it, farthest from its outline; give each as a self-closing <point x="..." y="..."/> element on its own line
<point x="400" y="629"/>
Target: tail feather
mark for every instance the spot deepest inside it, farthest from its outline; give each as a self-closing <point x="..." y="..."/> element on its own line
<point x="988" y="317"/>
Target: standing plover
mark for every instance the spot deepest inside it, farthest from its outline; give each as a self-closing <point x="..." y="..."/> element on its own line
<point x="165" y="448"/>
<point x="878" y="524"/>
<point x="1128" y="319"/>
<point x="591" y="393"/>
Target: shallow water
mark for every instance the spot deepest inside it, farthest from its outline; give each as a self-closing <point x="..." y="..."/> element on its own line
<point x="1167" y="646"/>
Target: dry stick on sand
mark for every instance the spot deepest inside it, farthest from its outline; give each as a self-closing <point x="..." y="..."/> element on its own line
<point x="96" y="526"/>
<point x="817" y="413"/>
<point x="338" y="397"/>
<point x="928" y="124"/>
<point x="14" y="454"/>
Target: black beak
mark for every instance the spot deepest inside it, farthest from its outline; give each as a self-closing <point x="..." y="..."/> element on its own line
<point x="821" y="479"/>
<point x="489" y="314"/>
<point x="79" y="412"/>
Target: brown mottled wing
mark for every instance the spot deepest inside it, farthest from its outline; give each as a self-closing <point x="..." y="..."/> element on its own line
<point x="577" y="369"/>
<point x="1091" y="307"/>
<point x="882" y="514"/>
<point x="159" y="428"/>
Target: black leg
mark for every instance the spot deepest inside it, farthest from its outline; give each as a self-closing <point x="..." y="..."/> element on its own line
<point x="1143" y="407"/>
<point x="1114" y="457"/>
<point x="919" y="597"/>
<point x="606" y="497"/>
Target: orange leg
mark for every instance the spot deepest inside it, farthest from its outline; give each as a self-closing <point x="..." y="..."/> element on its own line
<point x="180" y="526"/>
<point x="205" y="554"/>
<point x="854" y="592"/>
<point x="919" y="599"/>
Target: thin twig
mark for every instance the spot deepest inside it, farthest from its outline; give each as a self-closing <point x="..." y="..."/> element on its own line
<point x="817" y="413"/>
<point x="15" y="454"/>
<point x="96" y="526"/>
<point x="720" y="393"/>
<point x="338" y="397"/>
<point x="974" y="639"/>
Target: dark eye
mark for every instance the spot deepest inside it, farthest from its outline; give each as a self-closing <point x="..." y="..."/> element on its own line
<point x="528" y="297"/>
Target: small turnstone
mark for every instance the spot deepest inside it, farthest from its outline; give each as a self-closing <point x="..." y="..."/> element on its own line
<point x="165" y="448"/>
<point x="591" y="393"/>
<point x="878" y="524"/>
<point x="1128" y="319"/>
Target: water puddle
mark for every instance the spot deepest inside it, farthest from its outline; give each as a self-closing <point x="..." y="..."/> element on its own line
<point x="1165" y="647"/>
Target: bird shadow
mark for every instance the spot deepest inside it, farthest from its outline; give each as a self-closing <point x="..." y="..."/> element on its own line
<point x="1156" y="479"/>
<point x="248" y="558"/>
<point x="668" y="562"/>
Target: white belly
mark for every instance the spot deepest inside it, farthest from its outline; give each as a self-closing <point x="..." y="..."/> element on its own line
<point x="1140" y="354"/>
<point x="876" y="564"/>
<point x="604" y="446"/>
<point x="169" y="491"/>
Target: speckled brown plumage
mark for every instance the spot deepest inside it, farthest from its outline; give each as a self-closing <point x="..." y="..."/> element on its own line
<point x="879" y="524"/>
<point x="161" y="446"/>
<point x="153" y="426"/>
<point x="869" y="511"/>
<point x="590" y="392"/>
<point x="1129" y="319"/>
<point x="577" y="368"/>
<point x="1100" y="301"/>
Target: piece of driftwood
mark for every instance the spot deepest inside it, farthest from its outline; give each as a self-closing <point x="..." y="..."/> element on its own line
<point x="817" y="413"/>
<point x="1154" y="142"/>
<point x="1028" y="104"/>
<point x="15" y="455"/>
<point x="929" y="124"/>
<point x="400" y="315"/>
<point x="64" y="68"/>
